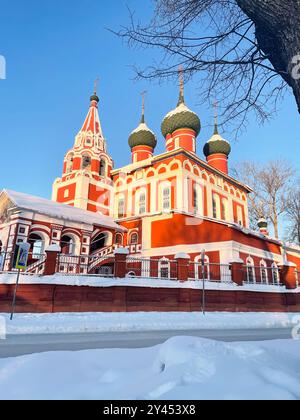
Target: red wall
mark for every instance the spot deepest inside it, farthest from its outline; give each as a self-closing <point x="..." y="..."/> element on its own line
<point x="51" y="298"/>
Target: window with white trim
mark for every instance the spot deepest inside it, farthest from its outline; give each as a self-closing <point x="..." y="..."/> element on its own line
<point x="240" y="219"/>
<point x="166" y="198"/>
<point x="216" y="207"/>
<point x="164" y="268"/>
<point x="142" y="203"/>
<point x="199" y="268"/>
<point x="121" y="208"/>
<point x="275" y="274"/>
<point x="197" y="199"/>
<point x="251" y="271"/>
<point x="263" y="272"/>
<point x="224" y="210"/>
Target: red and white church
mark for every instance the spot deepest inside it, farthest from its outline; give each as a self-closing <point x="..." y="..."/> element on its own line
<point x="156" y="207"/>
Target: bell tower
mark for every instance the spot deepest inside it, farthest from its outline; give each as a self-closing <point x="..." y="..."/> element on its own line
<point x="86" y="180"/>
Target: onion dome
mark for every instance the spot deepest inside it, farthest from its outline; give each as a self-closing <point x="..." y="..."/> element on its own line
<point x="94" y="97"/>
<point x="181" y="116"/>
<point x="262" y="223"/>
<point x="217" y="145"/>
<point x="142" y="135"/>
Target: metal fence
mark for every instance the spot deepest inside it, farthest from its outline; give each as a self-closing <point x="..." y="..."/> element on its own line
<point x="85" y="265"/>
<point x="262" y="275"/>
<point x="152" y="268"/>
<point x="210" y="272"/>
<point x="297" y="274"/>
<point x="36" y="263"/>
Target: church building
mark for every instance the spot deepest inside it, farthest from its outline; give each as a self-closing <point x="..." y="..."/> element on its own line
<point x="156" y="207"/>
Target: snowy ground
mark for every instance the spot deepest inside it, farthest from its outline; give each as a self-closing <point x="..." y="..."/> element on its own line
<point x="182" y="368"/>
<point x="142" y="321"/>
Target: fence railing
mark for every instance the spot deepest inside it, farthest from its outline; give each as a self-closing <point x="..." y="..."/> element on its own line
<point x="104" y="264"/>
<point x="36" y="263"/>
<point x="262" y="275"/>
<point x="85" y="265"/>
<point x="210" y="272"/>
<point x="152" y="268"/>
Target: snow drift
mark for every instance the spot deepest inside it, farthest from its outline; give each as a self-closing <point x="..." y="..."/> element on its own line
<point x="182" y="368"/>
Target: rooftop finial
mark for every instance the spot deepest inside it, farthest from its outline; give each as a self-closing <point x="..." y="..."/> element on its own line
<point x="96" y="85"/>
<point x="143" y="94"/>
<point x="94" y="97"/>
<point x="181" y="84"/>
<point x="216" y="117"/>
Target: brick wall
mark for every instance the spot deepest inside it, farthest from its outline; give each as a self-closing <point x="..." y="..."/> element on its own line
<point x="51" y="298"/>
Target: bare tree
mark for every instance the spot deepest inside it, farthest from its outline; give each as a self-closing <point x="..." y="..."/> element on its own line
<point x="271" y="184"/>
<point x="293" y="215"/>
<point x="245" y="51"/>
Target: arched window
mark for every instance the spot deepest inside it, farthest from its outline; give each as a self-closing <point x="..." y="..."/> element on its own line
<point x="141" y="202"/>
<point x="119" y="239"/>
<point x="86" y="162"/>
<point x="199" y="268"/>
<point x="275" y="274"/>
<point x="134" y="239"/>
<point x="250" y="271"/>
<point x="224" y="210"/>
<point x="67" y="245"/>
<point x="36" y="245"/>
<point x="164" y="268"/>
<point x="70" y="161"/>
<point x="166" y="198"/>
<point x="102" y="171"/>
<point x="121" y="207"/>
<point x="216" y="206"/>
<point x="264" y="272"/>
<point x="240" y="216"/>
<point x="99" y="242"/>
<point x="197" y="199"/>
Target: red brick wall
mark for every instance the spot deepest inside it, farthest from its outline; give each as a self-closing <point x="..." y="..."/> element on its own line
<point x="51" y="298"/>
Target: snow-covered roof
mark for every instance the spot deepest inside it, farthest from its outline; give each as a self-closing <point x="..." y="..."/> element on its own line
<point x="60" y="211"/>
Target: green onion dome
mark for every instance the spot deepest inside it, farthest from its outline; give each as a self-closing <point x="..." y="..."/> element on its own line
<point x="217" y="145"/>
<point x="181" y="117"/>
<point x="95" y="98"/>
<point x="142" y="136"/>
<point x="262" y="223"/>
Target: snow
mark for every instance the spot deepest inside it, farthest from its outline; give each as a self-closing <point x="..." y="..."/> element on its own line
<point x="142" y="127"/>
<point x="182" y="255"/>
<point x="121" y="251"/>
<point x="53" y="248"/>
<point x="60" y="211"/>
<point x="96" y="281"/>
<point x="183" y="368"/>
<point x="62" y="323"/>
<point x="178" y="110"/>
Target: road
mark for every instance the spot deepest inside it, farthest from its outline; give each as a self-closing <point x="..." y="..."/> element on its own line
<point x="27" y="344"/>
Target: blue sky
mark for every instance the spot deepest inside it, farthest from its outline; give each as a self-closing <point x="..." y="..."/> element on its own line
<point x="54" y="51"/>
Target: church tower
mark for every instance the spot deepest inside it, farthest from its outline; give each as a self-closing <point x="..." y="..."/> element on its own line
<point x="86" y="180"/>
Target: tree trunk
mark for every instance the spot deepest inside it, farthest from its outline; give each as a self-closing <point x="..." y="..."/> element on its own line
<point x="277" y="25"/>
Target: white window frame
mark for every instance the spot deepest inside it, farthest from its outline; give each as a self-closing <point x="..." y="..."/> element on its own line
<point x="216" y="206"/>
<point x="198" y="199"/>
<point x="164" y="263"/>
<point x="275" y="270"/>
<point x="264" y="268"/>
<point x="250" y="264"/>
<point x="207" y="265"/>
<point x="166" y="199"/>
